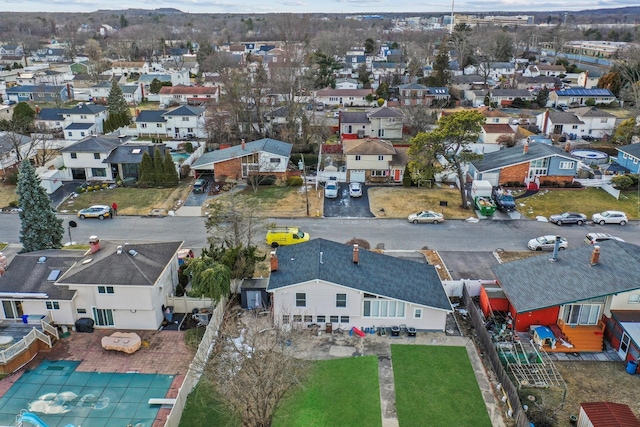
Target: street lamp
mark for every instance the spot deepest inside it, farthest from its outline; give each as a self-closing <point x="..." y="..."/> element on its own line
<point x="303" y="168"/>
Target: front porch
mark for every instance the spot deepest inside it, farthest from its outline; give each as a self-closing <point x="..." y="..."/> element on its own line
<point x="576" y="338"/>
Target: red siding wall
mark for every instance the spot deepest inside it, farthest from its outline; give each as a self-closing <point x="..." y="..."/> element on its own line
<point x="488" y="304"/>
<point x="546" y="316"/>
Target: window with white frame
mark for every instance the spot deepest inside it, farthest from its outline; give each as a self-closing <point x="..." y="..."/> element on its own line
<point x="274" y="160"/>
<point x="143" y="125"/>
<point x="379" y="173"/>
<point x="99" y="172"/>
<point x="333" y="319"/>
<point x="297" y="317"/>
<point x="321" y="319"/>
<point x="75" y="155"/>
<point x="380" y="307"/>
<point x="308" y="318"/>
<point x="105" y="290"/>
<point x="635" y="160"/>
<point x="634" y="299"/>
<point x="158" y="125"/>
<point x="603" y="120"/>
<point x="301" y="299"/>
<point x="344" y="319"/>
<point x="285" y="318"/>
<point x="341" y="300"/>
<point x="574" y="127"/>
<point x="624" y="156"/>
<point x="185" y="119"/>
<point x="53" y="305"/>
<point x="96" y="156"/>
<point x="567" y="165"/>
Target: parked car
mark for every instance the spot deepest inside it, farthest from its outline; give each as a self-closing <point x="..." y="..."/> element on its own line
<point x="355" y="189"/>
<point x="426" y="216"/>
<point x="200" y="185"/>
<point x="331" y="190"/>
<point x="593" y="238"/>
<point x="610" y="217"/>
<point x="96" y="211"/>
<point x="568" y="218"/>
<point x="281" y="236"/>
<point x="546" y="243"/>
<point x="9" y="102"/>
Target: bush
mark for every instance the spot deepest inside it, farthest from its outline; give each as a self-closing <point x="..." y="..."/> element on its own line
<point x="262" y="179"/>
<point x="406" y="180"/>
<point x="576" y="184"/>
<point x="622" y="182"/>
<point x="188" y="147"/>
<point x="13" y="204"/>
<point x="79" y="189"/>
<point x="295" y="181"/>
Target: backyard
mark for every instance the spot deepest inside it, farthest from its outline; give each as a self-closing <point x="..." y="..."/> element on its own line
<point x="436" y="383"/>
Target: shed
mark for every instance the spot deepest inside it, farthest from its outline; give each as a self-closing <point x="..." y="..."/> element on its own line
<point x="492" y="298"/>
<point x="253" y="293"/>
<point x="606" y="414"/>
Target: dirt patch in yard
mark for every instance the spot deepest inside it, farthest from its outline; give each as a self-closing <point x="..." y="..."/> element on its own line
<point x="589" y="381"/>
<point x="433" y="258"/>
<point x="399" y="202"/>
<point x="515" y="255"/>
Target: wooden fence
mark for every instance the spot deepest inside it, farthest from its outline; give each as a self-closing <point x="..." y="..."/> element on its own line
<point x="485" y="341"/>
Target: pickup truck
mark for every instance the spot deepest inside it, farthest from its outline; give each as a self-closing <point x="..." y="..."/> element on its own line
<point x="504" y="200"/>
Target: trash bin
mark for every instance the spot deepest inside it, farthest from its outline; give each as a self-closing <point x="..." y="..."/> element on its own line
<point x="328" y="327"/>
<point x="168" y="314"/>
<point x="632" y="366"/>
<point x="25" y="318"/>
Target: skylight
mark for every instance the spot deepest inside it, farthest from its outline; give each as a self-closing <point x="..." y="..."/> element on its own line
<point x="136" y="151"/>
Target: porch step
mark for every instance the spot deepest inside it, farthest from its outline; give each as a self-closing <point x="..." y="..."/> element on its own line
<point x="585" y="339"/>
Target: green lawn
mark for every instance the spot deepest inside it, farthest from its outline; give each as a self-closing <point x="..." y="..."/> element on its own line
<point x="436" y="386"/>
<point x="587" y="201"/>
<point x="341" y="392"/>
<point x="205" y="409"/>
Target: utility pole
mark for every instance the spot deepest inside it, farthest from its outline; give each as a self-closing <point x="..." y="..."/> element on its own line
<point x="303" y="168"/>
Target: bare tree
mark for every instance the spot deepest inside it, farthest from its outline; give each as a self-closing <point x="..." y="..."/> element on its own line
<point x="628" y="68"/>
<point x="253" y="366"/>
<point x="233" y="221"/>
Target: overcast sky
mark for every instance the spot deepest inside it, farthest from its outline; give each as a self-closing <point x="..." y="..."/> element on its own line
<point x="313" y="6"/>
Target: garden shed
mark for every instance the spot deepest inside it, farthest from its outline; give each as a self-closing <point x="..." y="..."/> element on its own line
<point x="253" y="293"/>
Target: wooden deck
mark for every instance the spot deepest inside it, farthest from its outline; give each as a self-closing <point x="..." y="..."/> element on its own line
<point x="583" y="338"/>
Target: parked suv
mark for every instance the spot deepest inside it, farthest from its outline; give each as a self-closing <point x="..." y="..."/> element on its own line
<point x="504" y="200"/>
<point x="610" y="217"/>
<point x="593" y="238"/>
<point x="200" y="185"/>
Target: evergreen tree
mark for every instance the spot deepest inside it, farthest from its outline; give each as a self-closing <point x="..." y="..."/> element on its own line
<point x="41" y="229"/>
<point x="155" y="86"/>
<point x="117" y="105"/>
<point x="440" y="76"/>
<point x="146" y="169"/>
<point x="158" y="166"/>
<point x="170" y="172"/>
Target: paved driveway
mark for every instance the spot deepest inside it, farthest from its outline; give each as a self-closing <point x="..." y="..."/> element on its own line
<point x="470" y="264"/>
<point x="347" y="207"/>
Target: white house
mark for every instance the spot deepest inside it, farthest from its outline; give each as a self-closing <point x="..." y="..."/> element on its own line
<point x="185" y="122"/>
<point x="372" y="160"/>
<point x="126" y="68"/>
<point x="119" y="285"/>
<point x="338" y="285"/>
<point x="580" y="121"/>
<point x="346" y="97"/>
<point x="579" y="96"/>
<point x="86" y="158"/>
<point x="169" y="95"/>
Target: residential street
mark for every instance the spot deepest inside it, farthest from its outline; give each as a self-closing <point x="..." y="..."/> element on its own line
<point x="395" y="234"/>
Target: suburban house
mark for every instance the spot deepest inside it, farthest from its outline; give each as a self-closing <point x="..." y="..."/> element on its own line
<point x="118" y="285"/>
<point x="181" y="94"/>
<point x="336" y="285"/>
<point x="126" y="68"/>
<point x="87" y="158"/>
<point x="373" y="160"/>
<point x="131" y="93"/>
<point x="417" y="94"/>
<point x="83" y="120"/>
<point x="501" y="97"/>
<point x="573" y="293"/>
<point x="262" y="157"/>
<point x="589" y="79"/>
<point x="579" y="96"/>
<point x="495" y="70"/>
<point x="125" y="159"/>
<point x="346" y="83"/>
<point x="579" y="121"/>
<point x="531" y="164"/>
<point x="382" y="122"/>
<point x="40" y="93"/>
<point x="629" y="157"/>
<point x="152" y="123"/>
<point x="537" y="83"/>
<point x="185" y="122"/>
<point x="345" y="97"/>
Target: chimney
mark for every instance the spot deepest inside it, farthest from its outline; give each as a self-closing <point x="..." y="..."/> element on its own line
<point x="545" y="121"/>
<point x="242" y="144"/>
<point x="595" y="255"/>
<point x="142" y="89"/>
<point x="69" y="92"/>
<point x="274" y="261"/>
<point x="356" y="254"/>
<point x="94" y="242"/>
<point x="586" y="78"/>
<point x="525" y="148"/>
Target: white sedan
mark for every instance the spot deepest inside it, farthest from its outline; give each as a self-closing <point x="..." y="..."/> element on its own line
<point x="425" y="216"/>
<point x="355" y="189"/>
<point x="547" y="243"/>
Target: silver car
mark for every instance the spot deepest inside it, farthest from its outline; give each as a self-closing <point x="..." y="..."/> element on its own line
<point x="610" y="217"/>
<point x="547" y="243"/>
<point x="331" y="190"/>
<point x="355" y="189"/>
<point x="426" y="216"/>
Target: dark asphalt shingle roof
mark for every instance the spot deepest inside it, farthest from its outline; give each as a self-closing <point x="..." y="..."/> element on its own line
<point x="385" y="112"/>
<point x="185" y="110"/>
<point x="564" y="118"/>
<point x="266" y="144"/>
<point x="514" y="155"/>
<point x="536" y="283"/>
<point x="633" y="149"/>
<point x="376" y="273"/>
<point x="86" y="109"/>
<point x="93" y="144"/>
<point x="151" y="116"/>
<point x="26" y="275"/>
<point x="52" y="114"/>
<point x="107" y="267"/>
<point x="354" y="117"/>
<point x="79" y="126"/>
<point x="132" y="153"/>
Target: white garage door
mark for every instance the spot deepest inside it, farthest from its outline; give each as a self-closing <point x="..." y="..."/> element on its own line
<point x="493" y="178"/>
<point x="356" y="175"/>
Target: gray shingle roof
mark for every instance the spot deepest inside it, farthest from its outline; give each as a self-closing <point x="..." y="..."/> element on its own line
<point x="185" y="110"/>
<point x="633" y="149"/>
<point x="514" y="155"/>
<point x="110" y="268"/>
<point x="86" y="108"/>
<point x="132" y="153"/>
<point x="590" y="112"/>
<point x="26" y="275"/>
<point x="93" y="144"/>
<point x="266" y="144"/>
<point x="536" y="283"/>
<point x="151" y="116"/>
<point x="79" y="126"/>
<point x="376" y="273"/>
<point x="564" y="118"/>
<point x="52" y="114"/>
<point x="354" y="117"/>
<point x="385" y="112"/>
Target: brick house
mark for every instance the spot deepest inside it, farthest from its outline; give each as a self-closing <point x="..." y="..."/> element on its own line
<point x="264" y="156"/>
<point x="531" y="165"/>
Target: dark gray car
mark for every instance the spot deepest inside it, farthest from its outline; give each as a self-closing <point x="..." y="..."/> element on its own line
<point x="568" y="218"/>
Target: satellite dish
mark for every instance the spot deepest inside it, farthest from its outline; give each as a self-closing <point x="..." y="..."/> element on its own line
<point x="73" y="224"/>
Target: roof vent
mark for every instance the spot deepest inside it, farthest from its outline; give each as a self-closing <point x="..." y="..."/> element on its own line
<point x="133" y="252"/>
<point x="42" y="260"/>
<point x="87" y="261"/>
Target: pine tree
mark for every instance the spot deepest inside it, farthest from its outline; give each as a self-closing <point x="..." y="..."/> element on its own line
<point x="117" y="105"/>
<point x="146" y="169"/>
<point x="41" y="229"/>
<point x="158" y="166"/>
<point x="170" y="173"/>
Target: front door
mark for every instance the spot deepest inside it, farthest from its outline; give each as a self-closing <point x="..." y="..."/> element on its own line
<point x="624" y="346"/>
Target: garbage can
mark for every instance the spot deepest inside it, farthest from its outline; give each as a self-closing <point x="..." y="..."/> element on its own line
<point x="25" y="318"/>
<point x="328" y="327"/>
<point x="632" y="366"/>
<point x="168" y="314"/>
